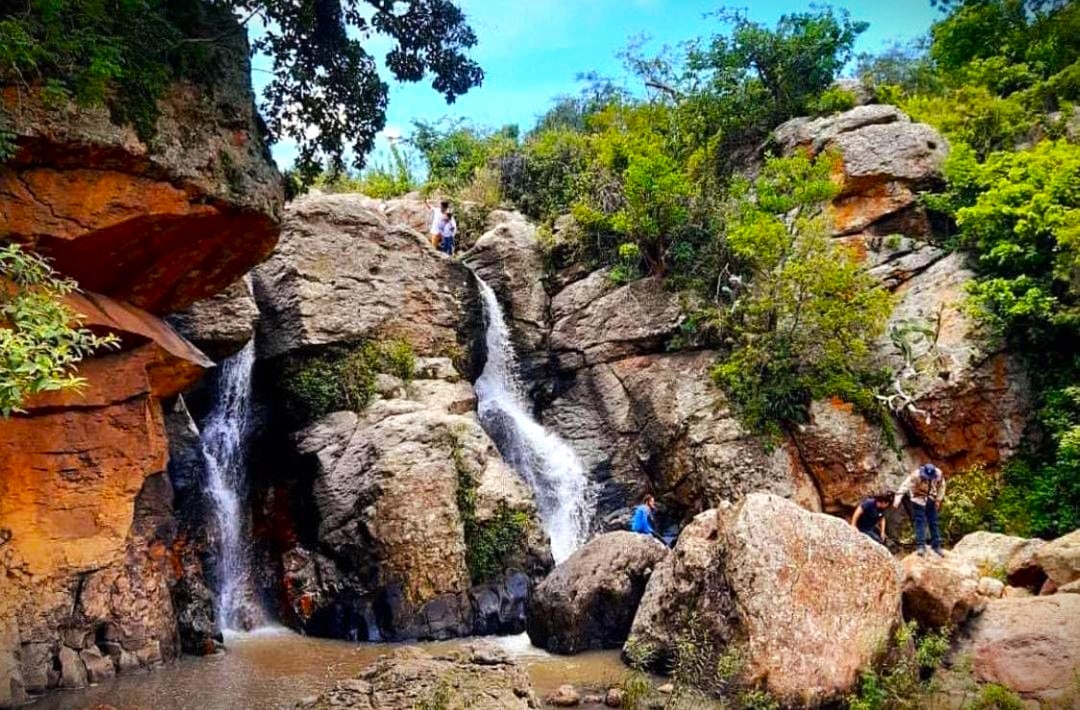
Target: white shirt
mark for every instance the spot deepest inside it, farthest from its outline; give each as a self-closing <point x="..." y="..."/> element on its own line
<point x="437" y="220"/>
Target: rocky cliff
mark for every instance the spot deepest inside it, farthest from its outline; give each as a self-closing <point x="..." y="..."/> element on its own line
<point x="86" y="520"/>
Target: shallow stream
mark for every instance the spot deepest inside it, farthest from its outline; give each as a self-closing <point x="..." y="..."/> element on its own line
<point x="274" y="668"/>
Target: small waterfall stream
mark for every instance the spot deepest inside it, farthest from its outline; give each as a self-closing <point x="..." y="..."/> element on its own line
<point x="223" y="441"/>
<point x="564" y="495"/>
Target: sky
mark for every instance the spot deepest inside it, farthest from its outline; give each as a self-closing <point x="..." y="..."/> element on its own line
<point x="532" y="51"/>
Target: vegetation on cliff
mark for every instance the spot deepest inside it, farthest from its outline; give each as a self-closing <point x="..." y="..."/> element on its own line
<point x="326" y="94"/>
<point x="41" y="339"/>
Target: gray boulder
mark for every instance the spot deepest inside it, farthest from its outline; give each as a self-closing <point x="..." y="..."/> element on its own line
<point x="589" y="601"/>
<point x="222" y="324"/>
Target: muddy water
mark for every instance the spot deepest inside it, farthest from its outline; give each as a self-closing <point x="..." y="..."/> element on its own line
<point x="274" y="668"/>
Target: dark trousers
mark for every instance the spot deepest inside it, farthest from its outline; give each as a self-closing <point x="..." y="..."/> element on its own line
<point x="873" y="535"/>
<point x="926" y="516"/>
<point x="446" y="245"/>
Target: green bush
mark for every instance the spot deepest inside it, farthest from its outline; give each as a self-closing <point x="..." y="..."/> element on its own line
<point x="41" y="339"/>
<point x="342" y="379"/>
<point x="910" y="657"/>
<point x="993" y="696"/>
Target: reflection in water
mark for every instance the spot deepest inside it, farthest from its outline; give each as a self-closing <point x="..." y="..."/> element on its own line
<point x="274" y="668"/>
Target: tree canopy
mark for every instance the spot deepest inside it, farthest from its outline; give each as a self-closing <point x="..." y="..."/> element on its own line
<point x="326" y="93"/>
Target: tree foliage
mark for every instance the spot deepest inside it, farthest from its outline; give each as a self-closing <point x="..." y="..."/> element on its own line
<point x="326" y="93"/>
<point x="41" y="339"/>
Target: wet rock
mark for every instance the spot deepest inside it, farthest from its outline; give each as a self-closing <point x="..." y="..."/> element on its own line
<point x="13" y="664"/>
<point x="1060" y="559"/>
<point x="478" y="677"/>
<point x="802" y="597"/>
<point x="72" y="669"/>
<point x="341" y="274"/>
<point x="509" y="259"/>
<point x="1029" y="645"/>
<point x="222" y="324"/>
<point x="940" y="591"/>
<point x="98" y="666"/>
<point x="589" y="600"/>
<point x="565" y="696"/>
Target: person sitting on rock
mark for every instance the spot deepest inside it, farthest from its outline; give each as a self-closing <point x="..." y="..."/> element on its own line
<point x="642" y="521"/>
<point x="447" y="233"/>
<point x="869" y="517"/>
<point x="438" y="219"/>
<point x="926" y="490"/>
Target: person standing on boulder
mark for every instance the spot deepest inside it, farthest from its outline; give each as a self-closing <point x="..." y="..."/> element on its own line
<point x="447" y="233"/>
<point x="926" y="489"/>
<point x="642" y="521"/>
<point x="439" y="218"/>
<point x="869" y="517"/>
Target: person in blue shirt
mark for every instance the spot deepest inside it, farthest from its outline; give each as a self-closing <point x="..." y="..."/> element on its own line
<point x="869" y="517"/>
<point x="642" y="521"/>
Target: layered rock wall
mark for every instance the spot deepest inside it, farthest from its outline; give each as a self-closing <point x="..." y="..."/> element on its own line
<point x="146" y="227"/>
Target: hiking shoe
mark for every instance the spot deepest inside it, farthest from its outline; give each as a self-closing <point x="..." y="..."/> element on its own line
<point x="921" y="552"/>
<point x="939" y="553"/>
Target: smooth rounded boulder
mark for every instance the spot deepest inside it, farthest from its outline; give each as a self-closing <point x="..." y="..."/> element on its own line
<point x="940" y="591"/>
<point x="805" y="600"/>
<point x="1029" y="645"/>
<point x="589" y="601"/>
<point x="1060" y="559"/>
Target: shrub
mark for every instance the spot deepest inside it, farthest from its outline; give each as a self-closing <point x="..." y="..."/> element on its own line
<point x="41" y="339"/>
<point x="993" y="696"/>
<point x="342" y="379"/>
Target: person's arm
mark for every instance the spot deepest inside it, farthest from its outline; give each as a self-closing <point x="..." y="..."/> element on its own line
<point x="941" y="492"/>
<point x="905" y="487"/>
<point x="855" y="517"/>
<point x="881" y="527"/>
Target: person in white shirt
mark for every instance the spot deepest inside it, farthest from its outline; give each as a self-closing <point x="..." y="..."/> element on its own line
<point x="448" y="232"/>
<point x="926" y="489"/>
<point x="438" y="218"/>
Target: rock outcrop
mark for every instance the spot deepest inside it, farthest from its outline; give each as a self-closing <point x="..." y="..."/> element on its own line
<point x="803" y="599"/>
<point x="940" y="592"/>
<point x="1014" y="558"/>
<point x="146" y="227"/>
<point x="589" y="600"/>
<point x="1060" y="559"/>
<point x="343" y="274"/>
<point x="1029" y="645"/>
<point x="222" y="324"/>
<point x="479" y="677"/>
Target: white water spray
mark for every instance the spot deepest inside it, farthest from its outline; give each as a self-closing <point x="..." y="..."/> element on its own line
<point x="552" y="470"/>
<point x="223" y="440"/>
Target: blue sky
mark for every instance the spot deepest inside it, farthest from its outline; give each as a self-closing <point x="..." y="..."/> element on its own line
<point x="532" y="51"/>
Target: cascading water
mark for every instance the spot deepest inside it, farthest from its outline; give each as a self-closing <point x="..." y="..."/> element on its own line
<point x="564" y="496"/>
<point x="223" y="442"/>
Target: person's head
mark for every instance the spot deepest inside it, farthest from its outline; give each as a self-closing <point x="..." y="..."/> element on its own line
<point x="929" y="471"/>
<point x="883" y="500"/>
<point x="445" y="206"/>
<point x="648" y="500"/>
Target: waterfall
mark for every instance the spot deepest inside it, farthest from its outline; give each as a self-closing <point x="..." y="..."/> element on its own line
<point x="549" y="466"/>
<point x="223" y="442"/>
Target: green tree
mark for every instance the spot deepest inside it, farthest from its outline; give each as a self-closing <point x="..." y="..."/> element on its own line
<point x="326" y="93"/>
<point x="41" y="339"/>
<point x="800" y="315"/>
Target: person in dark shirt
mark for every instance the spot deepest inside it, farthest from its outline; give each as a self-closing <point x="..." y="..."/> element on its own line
<point x="869" y="517"/>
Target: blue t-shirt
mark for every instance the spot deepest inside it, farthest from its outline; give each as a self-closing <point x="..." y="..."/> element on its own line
<point x="871" y="514"/>
<point x="641" y="522"/>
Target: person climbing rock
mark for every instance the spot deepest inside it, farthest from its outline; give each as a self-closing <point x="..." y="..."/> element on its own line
<point x="642" y="521"/>
<point x="447" y="233"/>
<point x="438" y="219"/>
<point x="869" y="517"/>
<point x="926" y="490"/>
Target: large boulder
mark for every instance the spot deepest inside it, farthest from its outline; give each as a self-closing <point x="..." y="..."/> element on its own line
<point x="997" y="555"/>
<point x="395" y="488"/>
<point x="478" y="677"/>
<point x="1060" y="559"/>
<point x="656" y="423"/>
<point x="589" y="601"/>
<point x="342" y="274"/>
<point x="676" y="586"/>
<point x="1029" y="645"/>
<point x="803" y="599"/>
<point x="940" y="592"/>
